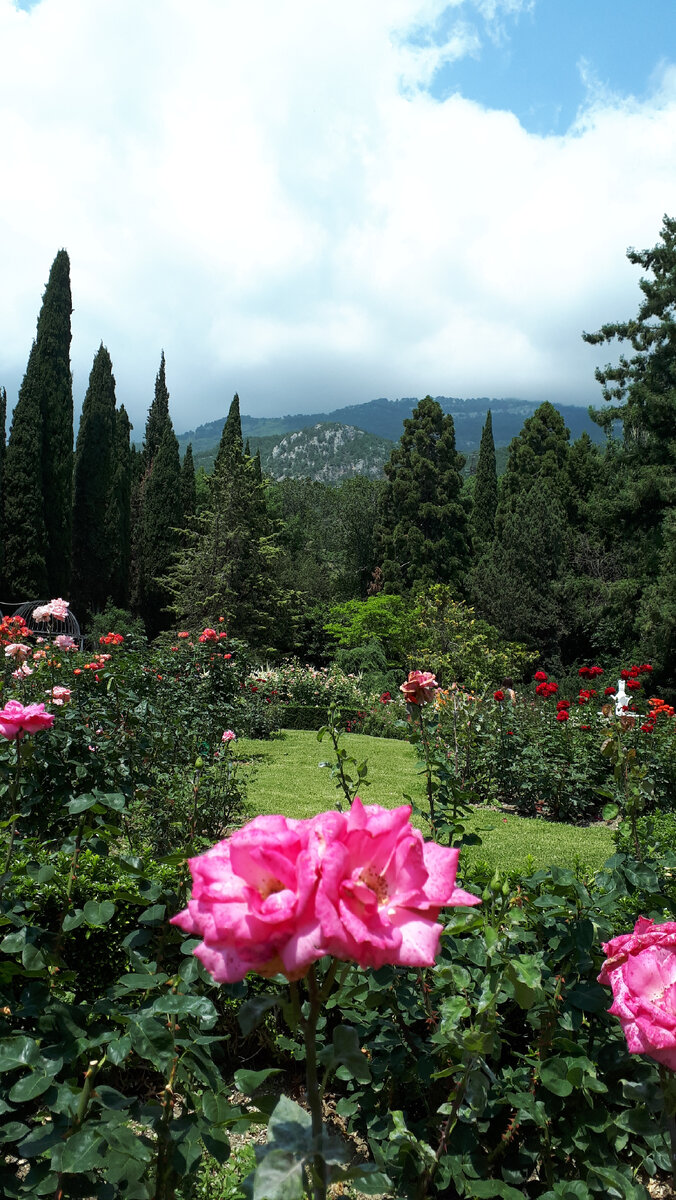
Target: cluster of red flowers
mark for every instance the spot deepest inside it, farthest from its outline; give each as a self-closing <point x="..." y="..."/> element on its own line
<point x="208" y="635"/>
<point x="540" y="677"/>
<point x="585" y="695"/>
<point x="609" y="691"/>
<point x="385" y="698"/>
<point x="13" y="629"/>
<point x="545" y="686"/>
<point x="111" y="639"/>
<point x="590" y="672"/>
<point x="633" y="672"/>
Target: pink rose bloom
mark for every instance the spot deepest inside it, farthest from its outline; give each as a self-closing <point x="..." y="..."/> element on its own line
<point x="59" y="608"/>
<point x="184" y="633"/>
<point x="229" y="736"/>
<point x="17" y="650"/>
<point x="65" y="642"/>
<point x="59" y="695"/>
<point x="640" y="967"/>
<point x="15" y="720"/>
<point x="279" y="894"/>
<point x="208" y="635"/>
<point x="22" y="672"/>
<point x="419" y="688"/>
<point x="41" y="614"/>
<point x="253" y="902"/>
<point x="382" y="887"/>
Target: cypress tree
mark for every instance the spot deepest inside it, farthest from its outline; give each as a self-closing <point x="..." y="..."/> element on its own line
<point x="93" y="546"/>
<point x="25" y="535"/>
<point x="120" y="511"/>
<point x="424" y="528"/>
<point x="539" y="454"/>
<point x="56" y="405"/>
<point x="158" y="415"/>
<point x="516" y="583"/>
<point x="160" y="518"/>
<point x="485" y="488"/>
<point x="3" y="420"/>
<point x="230" y="446"/>
<point x="156" y="508"/>
<point x="226" y="566"/>
<point x="188" y="487"/>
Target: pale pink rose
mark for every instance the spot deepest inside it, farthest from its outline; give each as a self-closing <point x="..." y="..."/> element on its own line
<point x="59" y="695"/>
<point x="42" y="614"/>
<point x="59" y="608"/>
<point x="15" y="720"/>
<point x="228" y="736"/>
<point x="279" y="894"/>
<point x="640" y="967"/>
<point x="65" y="642"/>
<point x="419" y="687"/>
<point x="22" y="672"/>
<point x="17" y="650"/>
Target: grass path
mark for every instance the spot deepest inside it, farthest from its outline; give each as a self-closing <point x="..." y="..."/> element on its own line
<point x="285" y="778"/>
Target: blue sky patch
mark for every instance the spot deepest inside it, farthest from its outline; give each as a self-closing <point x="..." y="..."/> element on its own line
<point x="541" y="64"/>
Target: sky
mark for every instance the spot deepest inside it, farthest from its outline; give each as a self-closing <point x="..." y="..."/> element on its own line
<point x="316" y="204"/>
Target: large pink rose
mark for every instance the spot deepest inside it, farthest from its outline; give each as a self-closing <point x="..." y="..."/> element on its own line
<point x="279" y="894"/>
<point x="382" y="887"/>
<point x="15" y="720"/>
<point x="419" y="687"/>
<point x="640" y="967"/>
<point x="253" y="899"/>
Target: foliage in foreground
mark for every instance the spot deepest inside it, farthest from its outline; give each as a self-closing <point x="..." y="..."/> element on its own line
<point x="496" y="1073"/>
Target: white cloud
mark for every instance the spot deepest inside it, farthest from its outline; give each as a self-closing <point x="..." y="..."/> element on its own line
<point x="270" y="193"/>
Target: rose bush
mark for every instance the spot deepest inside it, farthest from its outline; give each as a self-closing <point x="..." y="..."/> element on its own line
<point x="280" y="894"/>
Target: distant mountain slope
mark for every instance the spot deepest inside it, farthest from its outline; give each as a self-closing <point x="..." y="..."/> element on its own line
<point x="384" y="419"/>
<point x="326" y="451"/>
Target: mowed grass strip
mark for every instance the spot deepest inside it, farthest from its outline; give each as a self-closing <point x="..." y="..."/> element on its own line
<point x="285" y="777"/>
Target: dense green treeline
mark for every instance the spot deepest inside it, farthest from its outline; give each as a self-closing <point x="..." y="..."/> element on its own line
<point x="571" y="550"/>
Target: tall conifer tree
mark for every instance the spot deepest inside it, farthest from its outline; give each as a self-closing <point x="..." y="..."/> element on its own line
<point x="188" y="487"/>
<point x="25" y="536"/>
<point x="517" y="582"/>
<point x="3" y="420"/>
<point x="120" y="511"/>
<point x="157" y="509"/>
<point x="230" y="446"/>
<point x="56" y="406"/>
<point x="485" y="489"/>
<point x="93" y="548"/>
<point x="158" y="415"/>
<point x="424" y="529"/>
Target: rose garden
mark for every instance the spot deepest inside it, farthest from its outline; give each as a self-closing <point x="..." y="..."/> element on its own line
<point x="200" y="998"/>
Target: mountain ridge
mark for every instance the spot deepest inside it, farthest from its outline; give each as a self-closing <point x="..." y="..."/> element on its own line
<point x="384" y="418"/>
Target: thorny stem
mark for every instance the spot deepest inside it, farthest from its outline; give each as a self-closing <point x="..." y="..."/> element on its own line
<point x="428" y="769"/>
<point x="13" y="797"/>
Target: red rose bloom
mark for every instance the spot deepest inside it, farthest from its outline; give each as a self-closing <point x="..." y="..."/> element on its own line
<point x="610" y="691"/>
<point x="498" y="696"/>
<point x="540" y="677"/>
<point x="562" y="714"/>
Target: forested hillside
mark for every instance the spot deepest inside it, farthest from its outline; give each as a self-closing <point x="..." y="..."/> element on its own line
<point x="564" y="540"/>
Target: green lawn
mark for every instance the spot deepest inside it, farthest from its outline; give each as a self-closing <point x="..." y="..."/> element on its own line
<point x="285" y="778"/>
